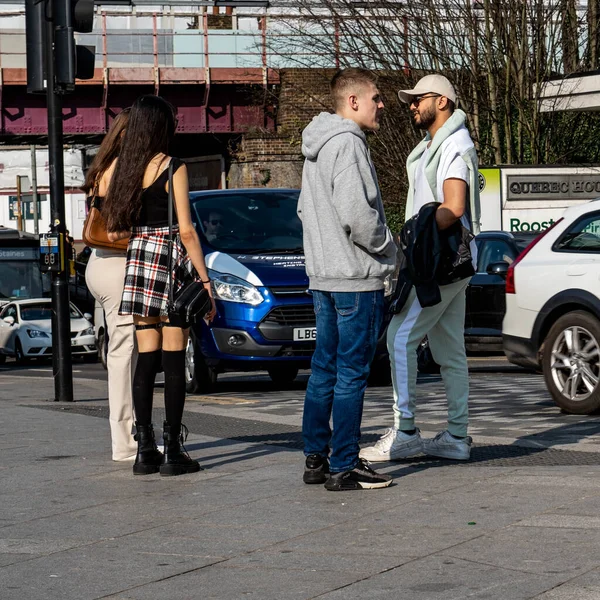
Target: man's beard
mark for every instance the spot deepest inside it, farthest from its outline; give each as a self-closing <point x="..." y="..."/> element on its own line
<point x="427" y="118"/>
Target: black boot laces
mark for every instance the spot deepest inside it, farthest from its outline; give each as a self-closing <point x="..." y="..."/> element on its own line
<point x="183" y="436"/>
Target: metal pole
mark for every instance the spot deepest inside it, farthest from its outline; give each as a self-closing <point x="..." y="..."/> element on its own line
<point x="34" y="193"/>
<point x="62" y="365"/>
<point x="19" y="211"/>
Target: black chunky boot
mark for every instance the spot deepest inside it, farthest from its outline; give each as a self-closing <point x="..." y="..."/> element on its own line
<point x="176" y="460"/>
<point x="148" y="458"/>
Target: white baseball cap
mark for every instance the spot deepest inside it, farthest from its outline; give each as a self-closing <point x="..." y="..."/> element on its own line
<point x="430" y="84"/>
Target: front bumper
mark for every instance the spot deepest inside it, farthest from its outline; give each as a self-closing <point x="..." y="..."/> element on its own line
<point x="239" y="343"/>
<point x="40" y="348"/>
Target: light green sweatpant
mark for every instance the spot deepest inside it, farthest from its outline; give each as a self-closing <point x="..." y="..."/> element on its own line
<point x="444" y="325"/>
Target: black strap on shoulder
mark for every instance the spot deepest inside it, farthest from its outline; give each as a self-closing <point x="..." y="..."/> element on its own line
<point x="171" y="201"/>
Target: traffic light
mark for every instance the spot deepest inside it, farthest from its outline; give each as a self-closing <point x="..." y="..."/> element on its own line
<point x="35" y="43"/>
<point x="71" y="60"/>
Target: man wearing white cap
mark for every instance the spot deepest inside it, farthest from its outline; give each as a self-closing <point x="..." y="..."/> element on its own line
<point x="442" y="168"/>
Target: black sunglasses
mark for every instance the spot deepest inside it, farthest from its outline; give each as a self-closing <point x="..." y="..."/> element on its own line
<point x="417" y="99"/>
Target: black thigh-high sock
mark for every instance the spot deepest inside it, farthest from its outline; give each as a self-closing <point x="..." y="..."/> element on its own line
<point x="148" y="365"/>
<point x="174" y="366"/>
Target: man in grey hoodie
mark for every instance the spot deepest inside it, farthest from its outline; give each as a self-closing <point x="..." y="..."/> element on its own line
<point x="349" y="253"/>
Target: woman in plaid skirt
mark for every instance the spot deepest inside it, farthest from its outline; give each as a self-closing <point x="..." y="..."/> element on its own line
<point x="137" y="204"/>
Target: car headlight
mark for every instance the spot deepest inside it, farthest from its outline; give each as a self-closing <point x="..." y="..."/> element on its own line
<point x="233" y="289"/>
<point x="36" y="333"/>
<point x="88" y="331"/>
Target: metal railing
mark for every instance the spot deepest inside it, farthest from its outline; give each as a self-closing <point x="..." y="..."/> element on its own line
<point x="203" y="47"/>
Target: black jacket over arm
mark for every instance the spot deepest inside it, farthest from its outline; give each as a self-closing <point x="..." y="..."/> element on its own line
<point x="430" y="257"/>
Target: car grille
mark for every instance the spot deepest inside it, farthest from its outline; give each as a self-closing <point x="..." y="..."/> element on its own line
<point x="290" y="291"/>
<point x="74" y="334"/>
<point x="293" y="316"/>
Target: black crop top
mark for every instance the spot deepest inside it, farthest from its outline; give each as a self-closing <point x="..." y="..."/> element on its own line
<point x="155" y="201"/>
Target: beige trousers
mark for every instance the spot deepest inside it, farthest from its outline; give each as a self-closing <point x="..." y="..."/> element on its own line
<point x="105" y="276"/>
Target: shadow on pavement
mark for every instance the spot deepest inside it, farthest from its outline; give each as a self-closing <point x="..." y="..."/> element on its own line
<point x="569" y="433"/>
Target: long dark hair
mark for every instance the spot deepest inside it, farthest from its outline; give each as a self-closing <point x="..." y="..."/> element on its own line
<point x="150" y="129"/>
<point x="108" y="151"/>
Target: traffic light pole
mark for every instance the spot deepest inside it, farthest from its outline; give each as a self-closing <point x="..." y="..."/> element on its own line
<point x="62" y="365"/>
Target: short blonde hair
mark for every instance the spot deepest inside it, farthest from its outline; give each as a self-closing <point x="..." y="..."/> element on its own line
<point x="349" y="80"/>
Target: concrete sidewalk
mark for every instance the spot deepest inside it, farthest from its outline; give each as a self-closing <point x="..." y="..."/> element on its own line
<point x="74" y="525"/>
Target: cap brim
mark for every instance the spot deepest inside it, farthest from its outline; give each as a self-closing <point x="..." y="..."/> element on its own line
<point x="406" y="96"/>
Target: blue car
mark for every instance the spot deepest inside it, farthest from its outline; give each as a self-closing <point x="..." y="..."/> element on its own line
<point x="252" y="241"/>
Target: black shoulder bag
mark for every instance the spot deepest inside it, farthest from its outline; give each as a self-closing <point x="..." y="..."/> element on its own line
<point x="192" y="302"/>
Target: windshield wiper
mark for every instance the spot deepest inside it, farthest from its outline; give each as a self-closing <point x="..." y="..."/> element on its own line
<point x="255" y="252"/>
<point x="298" y="250"/>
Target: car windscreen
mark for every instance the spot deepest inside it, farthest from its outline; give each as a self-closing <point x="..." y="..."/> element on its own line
<point x="21" y="279"/>
<point x="39" y="312"/>
<point x="249" y="223"/>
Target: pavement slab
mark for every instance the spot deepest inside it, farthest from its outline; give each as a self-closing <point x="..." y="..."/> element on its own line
<point x="542" y="550"/>
<point x="442" y="578"/>
<point x="585" y="587"/>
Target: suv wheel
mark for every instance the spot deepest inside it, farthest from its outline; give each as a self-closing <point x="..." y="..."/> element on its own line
<point x="571" y="362"/>
<point x="199" y="377"/>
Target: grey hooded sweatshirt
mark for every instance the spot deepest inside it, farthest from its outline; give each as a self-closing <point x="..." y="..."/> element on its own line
<point x="347" y="243"/>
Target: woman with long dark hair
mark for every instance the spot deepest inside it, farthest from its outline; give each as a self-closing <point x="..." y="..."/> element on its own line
<point x="104" y="275"/>
<point x="137" y="204"/>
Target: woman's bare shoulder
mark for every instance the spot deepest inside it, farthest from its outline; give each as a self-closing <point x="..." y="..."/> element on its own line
<point x="106" y="177"/>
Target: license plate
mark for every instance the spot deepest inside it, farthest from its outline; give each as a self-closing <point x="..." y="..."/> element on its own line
<point x="305" y="334"/>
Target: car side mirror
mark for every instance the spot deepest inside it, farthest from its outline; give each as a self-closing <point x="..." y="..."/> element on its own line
<point x="87" y="316"/>
<point x="498" y="268"/>
<point x="9" y="320"/>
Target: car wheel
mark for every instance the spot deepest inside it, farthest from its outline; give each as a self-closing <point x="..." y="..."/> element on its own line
<point x="381" y="373"/>
<point x="425" y="361"/>
<point x="2" y="359"/>
<point x="19" y="354"/>
<point x="103" y="348"/>
<point x="200" y="378"/>
<point x="283" y="374"/>
<point x="571" y="363"/>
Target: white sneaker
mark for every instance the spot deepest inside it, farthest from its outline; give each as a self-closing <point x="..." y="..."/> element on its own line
<point x="445" y="445"/>
<point x="393" y="445"/>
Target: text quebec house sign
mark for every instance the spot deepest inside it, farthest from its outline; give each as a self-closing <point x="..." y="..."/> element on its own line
<point x="568" y="187"/>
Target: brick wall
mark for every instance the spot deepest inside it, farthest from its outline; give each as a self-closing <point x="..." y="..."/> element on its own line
<point x="275" y="160"/>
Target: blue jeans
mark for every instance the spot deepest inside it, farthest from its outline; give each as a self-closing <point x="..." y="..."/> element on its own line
<point x="348" y="326"/>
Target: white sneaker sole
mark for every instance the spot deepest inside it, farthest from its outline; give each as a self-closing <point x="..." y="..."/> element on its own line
<point x="451" y="454"/>
<point x="374" y="486"/>
<point x="387" y="457"/>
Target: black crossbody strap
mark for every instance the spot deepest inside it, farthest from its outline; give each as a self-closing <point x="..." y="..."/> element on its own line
<point x="171" y="241"/>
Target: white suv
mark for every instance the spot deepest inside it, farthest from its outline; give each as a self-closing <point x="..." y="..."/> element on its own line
<point x="552" y="315"/>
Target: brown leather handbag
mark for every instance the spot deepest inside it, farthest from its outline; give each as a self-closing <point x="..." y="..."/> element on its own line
<point x="94" y="230"/>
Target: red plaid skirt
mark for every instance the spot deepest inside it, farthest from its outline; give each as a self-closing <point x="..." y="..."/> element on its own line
<point x="146" y="290"/>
